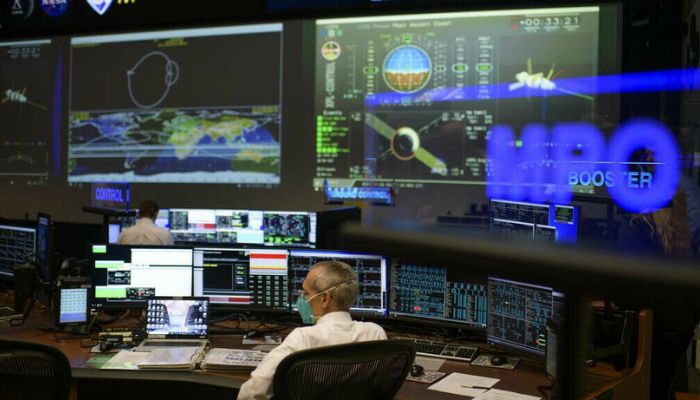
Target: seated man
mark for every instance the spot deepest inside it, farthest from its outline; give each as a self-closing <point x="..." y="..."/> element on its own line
<point x="330" y="288"/>
<point x="145" y="231"/>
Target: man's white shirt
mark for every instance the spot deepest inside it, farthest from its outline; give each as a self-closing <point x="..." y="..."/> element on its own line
<point x="331" y="329"/>
<point x="145" y="232"/>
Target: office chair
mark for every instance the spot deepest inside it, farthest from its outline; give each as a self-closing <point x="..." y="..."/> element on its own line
<point x="363" y="370"/>
<point x="33" y="371"/>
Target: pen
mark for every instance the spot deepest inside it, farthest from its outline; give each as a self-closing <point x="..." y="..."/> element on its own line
<point x="475" y="387"/>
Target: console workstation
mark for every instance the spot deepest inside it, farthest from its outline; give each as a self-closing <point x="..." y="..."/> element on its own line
<point x="413" y="199"/>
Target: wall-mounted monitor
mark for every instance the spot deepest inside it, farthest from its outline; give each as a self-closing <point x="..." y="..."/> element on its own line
<point x="177" y="106"/>
<point x="409" y="100"/>
<point x="30" y="85"/>
<point x="370" y="269"/>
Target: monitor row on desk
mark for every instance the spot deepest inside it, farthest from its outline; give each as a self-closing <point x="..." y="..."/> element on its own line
<point x="269" y="280"/>
<point x="255" y="227"/>
<point x="538" y="221"/>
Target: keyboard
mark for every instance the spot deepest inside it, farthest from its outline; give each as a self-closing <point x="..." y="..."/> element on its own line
<point x="450" y="351"/>
<point x="172" y="343"/>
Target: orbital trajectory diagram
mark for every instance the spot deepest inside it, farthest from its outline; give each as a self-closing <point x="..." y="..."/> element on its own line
<point x="172" y="73"/>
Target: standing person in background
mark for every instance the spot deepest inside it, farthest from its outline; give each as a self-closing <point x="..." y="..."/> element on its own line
<point x="145" y="231"/>
<point x="665" y="232"/>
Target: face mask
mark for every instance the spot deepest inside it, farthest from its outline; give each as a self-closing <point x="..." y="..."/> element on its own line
<point x="304" y="308"/>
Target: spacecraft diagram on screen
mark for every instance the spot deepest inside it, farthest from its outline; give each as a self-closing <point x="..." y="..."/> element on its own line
<point x="530" y="80"/>
<point x="405" y="144"/>
<point x="172" y="73"/>
<point x="20" y="96"/>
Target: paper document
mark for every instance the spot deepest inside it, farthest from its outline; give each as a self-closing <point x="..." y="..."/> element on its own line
<point x="429" y="363"/>
<point x="171" y="358"/>
<point x="464" y="384"/>
<point x="233" y="359"/>
<point x="496" y="394"/>
<point x="125" y="359"/>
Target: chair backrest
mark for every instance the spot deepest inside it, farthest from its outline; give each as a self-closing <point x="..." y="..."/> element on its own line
<point x="33" y="371"/>
<point x="362" y="370"/>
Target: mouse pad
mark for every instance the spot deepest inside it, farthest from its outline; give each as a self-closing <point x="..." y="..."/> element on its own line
<point x="484" y="360"/>
<point x="427" y="377"/>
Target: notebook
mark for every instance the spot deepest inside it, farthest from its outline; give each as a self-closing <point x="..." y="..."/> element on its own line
<point x="176" y="322"/>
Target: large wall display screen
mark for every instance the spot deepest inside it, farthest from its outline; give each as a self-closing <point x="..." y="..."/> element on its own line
<point x="409" y="100"/>
<point x="27" y="71"/>
<point x="182" y="106"/>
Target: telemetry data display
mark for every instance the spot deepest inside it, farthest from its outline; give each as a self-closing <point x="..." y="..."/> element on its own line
<point x="425" y="291"/>
<point x="26" y="93"/>
<point x="517" y="315"/>
<point x="184" y="106"/>
<point x="371" y="277"/>
<point x="409" y="100"/>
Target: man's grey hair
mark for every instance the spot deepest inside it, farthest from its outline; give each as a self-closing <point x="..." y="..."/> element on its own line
<point x="338" y="273"/>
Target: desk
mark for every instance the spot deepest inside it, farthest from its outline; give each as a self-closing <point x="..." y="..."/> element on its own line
<point x="104" y="384"/>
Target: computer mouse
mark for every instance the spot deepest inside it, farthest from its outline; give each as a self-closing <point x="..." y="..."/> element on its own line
<point x="417" y="370"/>
<point x="254" y="334"/>
<point x="498" y="360"/>
<point x="106" y="345"/>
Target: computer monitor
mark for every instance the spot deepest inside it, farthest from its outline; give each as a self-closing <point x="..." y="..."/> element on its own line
<point x="536" y="221"/>
<point x="242" y="279"/>
<point x="114" y="231"/>
<point x="370" y="270"/>
<point x="290" y="228"/>
<point x="17" y="246"/>
<point x="216" y="226"/>
<point x="518" y="314"/>
<point x="429" y="292"/>
<point x="44" y="246"/>
<point x="125" y="276"/>
<point x="171" y="317"/>
<point x="249" y="227"/>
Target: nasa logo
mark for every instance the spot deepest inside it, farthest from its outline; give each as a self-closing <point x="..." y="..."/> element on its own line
<point x="544" y="168"/>
<point x="100" y="6"/>
<point x="54" y="8"/>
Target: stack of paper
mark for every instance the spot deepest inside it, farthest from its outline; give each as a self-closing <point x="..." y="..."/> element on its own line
<point x="232" y="359"/>
<point x="172" y="358"/>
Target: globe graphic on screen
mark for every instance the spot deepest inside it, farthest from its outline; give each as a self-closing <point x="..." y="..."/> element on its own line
<point x="407" y="69"/>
